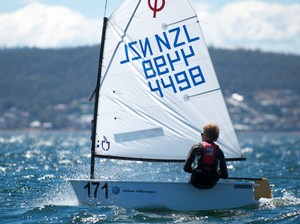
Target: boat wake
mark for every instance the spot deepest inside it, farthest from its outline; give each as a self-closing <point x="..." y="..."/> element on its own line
<point x="287" y="199"/>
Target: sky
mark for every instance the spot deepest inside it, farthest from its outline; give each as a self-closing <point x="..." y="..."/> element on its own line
<point x="266" y="25"/>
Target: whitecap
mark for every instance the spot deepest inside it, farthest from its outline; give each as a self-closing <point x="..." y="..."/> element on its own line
<point x="65" y="162"/>
<point x="48" y="176"/>
<point x="247" y="150"/>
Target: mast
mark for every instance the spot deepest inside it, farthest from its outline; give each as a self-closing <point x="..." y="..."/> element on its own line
<point x="96" y="93"/>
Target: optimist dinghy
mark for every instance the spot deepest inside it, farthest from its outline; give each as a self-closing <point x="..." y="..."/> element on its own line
<point x="156" y="86"/>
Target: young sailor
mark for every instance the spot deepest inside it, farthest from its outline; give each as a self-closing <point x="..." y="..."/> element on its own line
<point x="206" y="160"/>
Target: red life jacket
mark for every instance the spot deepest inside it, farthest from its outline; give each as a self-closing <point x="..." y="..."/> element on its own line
<point x="208" y="158"/>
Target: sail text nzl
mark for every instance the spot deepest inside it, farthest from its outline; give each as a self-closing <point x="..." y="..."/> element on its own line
<point x="166" y="60"/>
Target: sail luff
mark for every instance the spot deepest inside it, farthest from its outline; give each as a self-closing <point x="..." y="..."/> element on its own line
<point x="117" y="47"/>
<point x="95" y="119"/>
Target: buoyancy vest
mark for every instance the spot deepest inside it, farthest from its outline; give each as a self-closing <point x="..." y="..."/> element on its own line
<point x="208" y="159"/>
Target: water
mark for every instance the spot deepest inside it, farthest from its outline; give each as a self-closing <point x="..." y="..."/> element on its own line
<point x="34" y="168"/>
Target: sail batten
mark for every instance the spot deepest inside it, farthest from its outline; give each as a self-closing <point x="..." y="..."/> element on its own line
<point x="199" y="94"/>
<point x="158" y="86"/>
<point x="165" y="26"/>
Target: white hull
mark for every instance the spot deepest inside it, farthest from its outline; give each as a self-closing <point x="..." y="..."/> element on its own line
<point x="174" y="196"/>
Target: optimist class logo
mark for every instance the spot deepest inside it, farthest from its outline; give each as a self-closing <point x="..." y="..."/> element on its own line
<point x="155" y="8"/>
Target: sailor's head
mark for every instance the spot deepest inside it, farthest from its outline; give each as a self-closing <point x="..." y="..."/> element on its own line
<point x="210" y="131"/>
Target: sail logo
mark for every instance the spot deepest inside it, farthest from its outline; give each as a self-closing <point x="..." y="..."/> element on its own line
<point x="168" y="60"/>
<point x="155" y="8"/>
<point x="105" y="144"/>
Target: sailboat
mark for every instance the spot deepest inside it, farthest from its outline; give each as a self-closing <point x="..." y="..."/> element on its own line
<point x="156" y="88"/>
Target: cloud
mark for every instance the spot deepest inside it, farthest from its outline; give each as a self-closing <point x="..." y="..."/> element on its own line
<point x="253" y="25"/>
<point x="243" y="24"/>
<point x="38" y="25"/>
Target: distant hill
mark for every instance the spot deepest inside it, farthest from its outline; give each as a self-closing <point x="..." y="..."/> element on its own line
<point x="245" y="71"/>
<point x="34" y="80"/>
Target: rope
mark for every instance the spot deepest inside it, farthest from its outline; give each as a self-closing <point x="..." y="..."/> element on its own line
<point x="105" y="8"/>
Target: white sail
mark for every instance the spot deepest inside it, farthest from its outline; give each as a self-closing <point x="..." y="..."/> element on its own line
<point x="158" y="85"/>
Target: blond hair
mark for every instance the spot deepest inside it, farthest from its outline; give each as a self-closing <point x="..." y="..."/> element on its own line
<point x="212" y="131"/>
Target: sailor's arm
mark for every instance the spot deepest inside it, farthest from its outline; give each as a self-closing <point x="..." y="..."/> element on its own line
<point x="223" y="166"/>
<point x="189" y="161"/>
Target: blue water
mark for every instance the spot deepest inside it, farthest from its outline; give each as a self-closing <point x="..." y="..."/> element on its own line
<point x="34" y="168"/>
